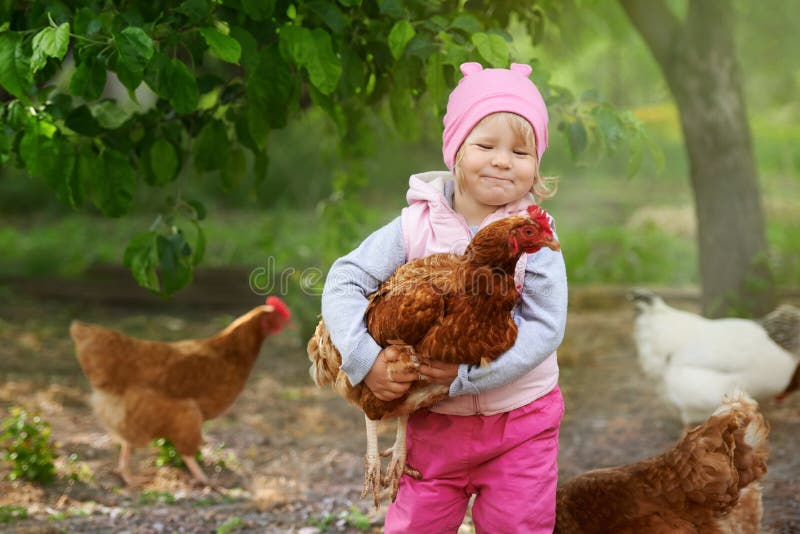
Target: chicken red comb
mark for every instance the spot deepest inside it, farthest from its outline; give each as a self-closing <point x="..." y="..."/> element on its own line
<point x="539" y="216"/>
<point x="279" y="306"/>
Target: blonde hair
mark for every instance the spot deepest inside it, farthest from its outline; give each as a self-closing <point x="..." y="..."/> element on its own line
<point x="543" y="186"/>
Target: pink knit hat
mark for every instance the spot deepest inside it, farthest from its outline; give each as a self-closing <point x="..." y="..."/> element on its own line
<point x="482" y="92"/>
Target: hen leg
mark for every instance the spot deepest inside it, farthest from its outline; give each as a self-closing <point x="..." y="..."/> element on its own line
<point x="191" y="464"/>
<point x="372" y="462"/>
<point x="124" y="466"/>
<point x="397" y="465"/>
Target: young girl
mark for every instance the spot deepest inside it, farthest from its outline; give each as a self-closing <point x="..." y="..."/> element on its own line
<point x="496" y="436"/>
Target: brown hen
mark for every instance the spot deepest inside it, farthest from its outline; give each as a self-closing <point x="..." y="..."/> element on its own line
<point x="150" y="389"/>
<point x="706" y="484"/>
<point x="447" y="307"/>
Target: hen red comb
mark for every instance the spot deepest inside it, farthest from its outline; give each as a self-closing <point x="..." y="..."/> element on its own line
<point x="279" y="306"/>
<point x="539" y="216"/>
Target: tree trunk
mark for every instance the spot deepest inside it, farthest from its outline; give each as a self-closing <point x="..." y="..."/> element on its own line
<point x="698" y="58"/>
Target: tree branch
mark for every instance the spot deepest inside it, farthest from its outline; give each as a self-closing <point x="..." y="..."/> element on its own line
<point x="659" y="27"/>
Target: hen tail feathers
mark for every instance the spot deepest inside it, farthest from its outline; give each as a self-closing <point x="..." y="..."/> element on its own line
<point x="325" y="359"/>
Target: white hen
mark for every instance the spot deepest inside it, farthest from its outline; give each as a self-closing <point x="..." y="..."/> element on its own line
<point x="698" y="360"/>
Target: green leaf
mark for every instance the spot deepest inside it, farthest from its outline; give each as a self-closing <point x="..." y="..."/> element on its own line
<point x="15" y="70"/>
<point x="405" y="118"/>
<point x="434" y="79"/>
<point x="82" y="121"/>
<point x="611" y="127"/>
<point x="174" y="256"/>
<point x="270" y="87"/>
<point x="329" y="13"/>
<point x="313" y="50"/>
<point x="454" y="53"/>
<point x="635" y="159"/>
<point x="399" y="36"/>
<point x="110" y="115"/>
<point x="134" y="48"/>
<point x="199" y="209"/>
<point x="223" y="46"/>
<point x="163" y="160"/>
<point x="211" y="147"/>
<point x="577" y="137"/>
<point x="184" y="93"/>
<point x="158" y="75"/>
<point x="141" y="257"/>
<point x="50" y="42"/>
<point x="259" y="9"/>
<point x="50" y="157"/>
<point x="5" y="146"/>
<point x="112" y="184"/>
<point x="199" y="249"/>
<point x="89" y="79"/>
<point x="195" y="10"/>
<point x="249" y="46"/>
<point x="467" y="23"/>
<point x="38" y="152"/>
<point x="492" y="48"/>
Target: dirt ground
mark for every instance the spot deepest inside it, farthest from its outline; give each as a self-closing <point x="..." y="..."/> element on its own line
<point x="288" y="456"/>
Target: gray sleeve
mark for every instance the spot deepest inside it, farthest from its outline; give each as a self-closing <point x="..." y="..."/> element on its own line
<point x="541" y="317"/>
<point x="344" y="299"/>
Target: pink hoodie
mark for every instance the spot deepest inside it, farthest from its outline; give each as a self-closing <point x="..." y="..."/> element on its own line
<point x="431" y="226"/>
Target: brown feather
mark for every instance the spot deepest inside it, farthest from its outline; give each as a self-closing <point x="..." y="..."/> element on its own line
<point x="447" y="307"/>
<point x="706" y="483"/>
<point x="147" y="389"/>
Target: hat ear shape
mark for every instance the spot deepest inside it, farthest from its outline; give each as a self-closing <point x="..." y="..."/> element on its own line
<point x="470" y="68"/>
<point x="522" y="69"/>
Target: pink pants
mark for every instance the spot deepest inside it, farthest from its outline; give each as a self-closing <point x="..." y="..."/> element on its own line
<point x="508" y="460"/>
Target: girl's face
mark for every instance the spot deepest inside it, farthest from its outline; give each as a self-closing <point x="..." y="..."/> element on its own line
<point x="497" y="165"/>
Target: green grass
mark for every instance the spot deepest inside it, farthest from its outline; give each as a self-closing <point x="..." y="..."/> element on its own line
<point x="598" y="246"/>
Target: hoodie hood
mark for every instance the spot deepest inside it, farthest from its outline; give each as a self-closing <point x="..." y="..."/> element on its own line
<point x="436" y="188"/>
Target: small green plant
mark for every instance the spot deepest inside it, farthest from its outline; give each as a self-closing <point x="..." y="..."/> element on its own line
<point x="156" y="497"/>
<point x="323" y="523"/>
<point x="78" y="471"/>
<point x="168" y="454"/>
<point x="9" y="514"/>
<point x="230" y="525"/>
<point x="352" y="517"/>
<point x="356" y="518"/>
<point x="26" y="440"/>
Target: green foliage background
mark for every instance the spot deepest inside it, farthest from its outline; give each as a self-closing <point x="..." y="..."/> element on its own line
<point x="230" y="132"/>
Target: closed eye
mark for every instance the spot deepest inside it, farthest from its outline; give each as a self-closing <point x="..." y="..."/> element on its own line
<point x="484" y="146"/>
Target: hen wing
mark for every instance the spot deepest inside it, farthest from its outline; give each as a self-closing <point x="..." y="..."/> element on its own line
<point x="404" y="309"/>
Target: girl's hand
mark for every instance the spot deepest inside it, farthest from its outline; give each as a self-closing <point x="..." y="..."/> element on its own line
<point x="388" y="383"/>
<point x="438" y="372"/>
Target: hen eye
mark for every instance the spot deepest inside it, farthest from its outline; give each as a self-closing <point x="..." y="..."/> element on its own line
<point x="528" y="231"/>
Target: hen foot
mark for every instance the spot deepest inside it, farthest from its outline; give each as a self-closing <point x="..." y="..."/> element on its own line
<point x="397" y="465"/>
<point x="124" y="467"/>
<point x="372" y="478"/>
<point x="372" y="462"/>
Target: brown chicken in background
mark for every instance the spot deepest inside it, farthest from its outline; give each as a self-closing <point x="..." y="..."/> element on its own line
<point x="707" y="483"/>
<point x="144" y="390"/>
<point x="447" y="307"/>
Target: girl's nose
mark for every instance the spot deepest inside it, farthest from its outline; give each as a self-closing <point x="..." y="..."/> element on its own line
<point x="500" y="159"/>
